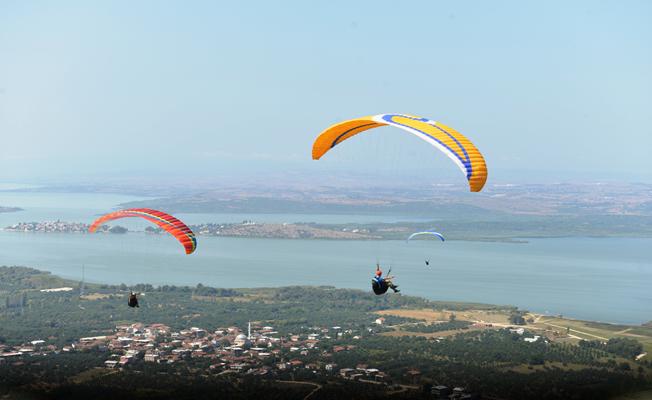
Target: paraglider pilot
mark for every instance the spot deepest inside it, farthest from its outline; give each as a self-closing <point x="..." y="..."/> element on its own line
<point x="133" y="300"/>
<point x="380" y="284"/>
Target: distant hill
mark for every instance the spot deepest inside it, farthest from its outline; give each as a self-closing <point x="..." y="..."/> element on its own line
<point x="428" y="201"/>
<point x="21" y="278"/>
<point x="259" y="205"/>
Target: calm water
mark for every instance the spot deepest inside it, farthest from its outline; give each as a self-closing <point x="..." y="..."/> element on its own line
<point x="597" y="279"/>
<point x="85" y="207"/>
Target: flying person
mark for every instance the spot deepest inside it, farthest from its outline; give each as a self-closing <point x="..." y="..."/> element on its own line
<point x="133" y="300"/>
<point x="380" y="284"/>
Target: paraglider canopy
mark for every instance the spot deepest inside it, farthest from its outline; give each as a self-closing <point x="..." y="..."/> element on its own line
<point x="165" y="221"/>
<point x="427" y="234"/>
<point x="452" y="143"/>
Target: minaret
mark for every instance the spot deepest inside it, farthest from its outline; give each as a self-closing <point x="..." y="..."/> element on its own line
<point x="249" y="330"/>
<point x="81" y="289"/>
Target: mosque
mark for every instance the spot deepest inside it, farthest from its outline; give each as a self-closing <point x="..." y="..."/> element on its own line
<point x="243" y="340"/>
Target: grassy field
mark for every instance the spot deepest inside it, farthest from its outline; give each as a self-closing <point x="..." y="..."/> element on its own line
<point x="431" y="315"/>
<point x="561" y="329"/>
<point x="427" y="315"/>
<point x="596" y="331"/>
<point x="399" y="333"/>
<point x="98" y="296"/>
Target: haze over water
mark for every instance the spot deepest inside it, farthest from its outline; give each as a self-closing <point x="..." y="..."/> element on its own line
<point x="595" y="279"/>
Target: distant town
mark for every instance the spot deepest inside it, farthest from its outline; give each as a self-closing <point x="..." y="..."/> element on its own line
<point x="48" y="227"/>
<point x="258" y="351"/>
<point x="228" y="349"/>
<point x="244" y="229"/>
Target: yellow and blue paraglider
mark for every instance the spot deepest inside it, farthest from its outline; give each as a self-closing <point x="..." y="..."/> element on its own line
<point x="452" y="143"/>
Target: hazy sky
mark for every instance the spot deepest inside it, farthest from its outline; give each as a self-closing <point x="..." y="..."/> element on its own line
<point x="95" y="89"/>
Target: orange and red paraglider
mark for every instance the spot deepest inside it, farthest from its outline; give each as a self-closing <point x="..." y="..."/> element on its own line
<point x="165" y="221"/>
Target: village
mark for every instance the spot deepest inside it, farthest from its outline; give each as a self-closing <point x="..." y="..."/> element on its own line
<point x="48" y="227"/>
<point x="243" y="229"/>
<point x="260" y="350"/>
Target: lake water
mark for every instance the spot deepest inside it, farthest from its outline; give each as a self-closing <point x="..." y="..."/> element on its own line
<point x="85" y="207"/>
<point x="597" y="279"/>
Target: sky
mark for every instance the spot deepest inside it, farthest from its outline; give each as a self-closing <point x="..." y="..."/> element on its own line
<point x="548" y="90"/>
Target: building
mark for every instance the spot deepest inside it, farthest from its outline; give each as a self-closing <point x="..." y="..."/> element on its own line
<point x="440" y="391"/>
<point x="518" y="331"/>
<point x="330" y="367"/>
<point x="54" y="290"/>
<point x="382" y="377"/>
<point x="92" y="338"/>
<point x="414" y="375"/>
<point x="242" y="341"/>
<point x="356" y="377"/>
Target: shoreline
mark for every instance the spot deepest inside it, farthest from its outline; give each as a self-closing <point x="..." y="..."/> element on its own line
<point x="10" y="209"/>
<point x="470" y="303"/>
<point x="311" y="231"/>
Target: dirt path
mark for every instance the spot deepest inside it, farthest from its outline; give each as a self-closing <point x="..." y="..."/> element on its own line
<point x="316" y="385"/>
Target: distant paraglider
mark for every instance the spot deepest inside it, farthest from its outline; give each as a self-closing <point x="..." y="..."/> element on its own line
<point x="165" y="221"/>
<point x="452" y="143"/>
<point x="427" y="234"/>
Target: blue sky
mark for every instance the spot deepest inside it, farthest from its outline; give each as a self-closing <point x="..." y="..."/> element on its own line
<point x="546" y="90"/>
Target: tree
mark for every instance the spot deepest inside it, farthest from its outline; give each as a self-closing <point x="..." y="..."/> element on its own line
<point x="517" y="319"/>
<point x="118" y="229"/>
